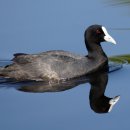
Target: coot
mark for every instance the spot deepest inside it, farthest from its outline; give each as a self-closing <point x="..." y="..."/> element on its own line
<point x="58" y="64"/>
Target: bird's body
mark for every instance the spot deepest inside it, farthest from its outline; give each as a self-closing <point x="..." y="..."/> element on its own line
<point x="58" y="65"/>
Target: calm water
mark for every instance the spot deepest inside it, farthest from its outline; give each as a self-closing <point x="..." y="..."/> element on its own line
<point x="33" y="26"/>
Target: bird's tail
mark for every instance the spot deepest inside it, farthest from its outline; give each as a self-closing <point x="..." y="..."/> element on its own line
<point x="2" y="71"/>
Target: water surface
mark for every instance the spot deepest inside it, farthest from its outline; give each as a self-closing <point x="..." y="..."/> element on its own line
<point x="34" y="26"/>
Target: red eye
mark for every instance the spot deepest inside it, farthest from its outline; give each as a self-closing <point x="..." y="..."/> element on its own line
<point x="98" y="32"/>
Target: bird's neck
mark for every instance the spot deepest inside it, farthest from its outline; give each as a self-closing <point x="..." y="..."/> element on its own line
<point x="95" y="50"/>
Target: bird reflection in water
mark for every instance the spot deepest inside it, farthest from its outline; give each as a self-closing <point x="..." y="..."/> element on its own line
<point x="99" y="103"/>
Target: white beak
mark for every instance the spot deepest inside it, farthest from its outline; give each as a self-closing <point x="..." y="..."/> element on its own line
<point x="107" y="37"/>
<point x="113" y="101"/>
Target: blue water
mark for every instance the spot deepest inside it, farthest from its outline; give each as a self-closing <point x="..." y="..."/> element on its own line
<point x="34" y="26"/>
